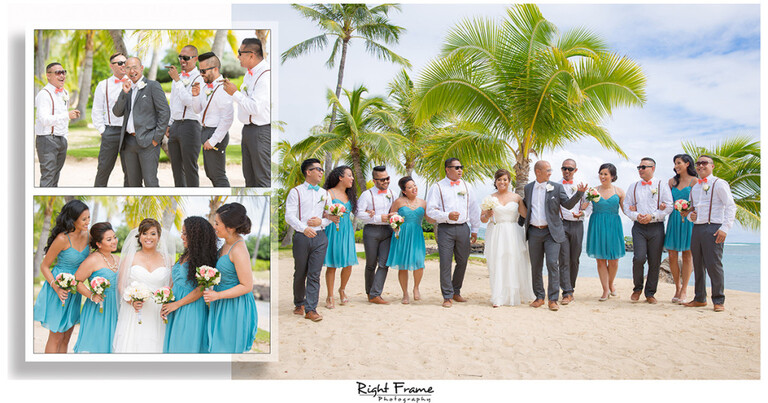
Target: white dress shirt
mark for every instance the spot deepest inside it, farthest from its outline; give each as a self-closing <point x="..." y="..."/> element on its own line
<point x="380" y="203"/>
<point x="722" y="209"/>
<point x="129" y="127"/>
<point x="646" y="199"/>
<point x="104" y="99"/>
<point x="181" y="96"/>
<point x="215" y="109"/>
<point x="52" y="118"/>
<point x="566" y="214"/>
<point x="442" y="198"/>
<point x="538" y="204"/>
<point x="253" y="99"/>
<point x="312" y="204"/>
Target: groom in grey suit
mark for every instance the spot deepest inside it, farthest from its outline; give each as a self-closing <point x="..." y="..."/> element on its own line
<point x="146" y="112"/>
<point x="544" y="230"/>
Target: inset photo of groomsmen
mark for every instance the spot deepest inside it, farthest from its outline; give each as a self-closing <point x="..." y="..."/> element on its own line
<point x="152" y="108"/>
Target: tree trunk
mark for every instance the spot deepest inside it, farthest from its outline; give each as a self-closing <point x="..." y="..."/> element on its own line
<point x="213" y="205"/>
<point x="117" y="41"/>
<point x="152" y="74"/>
<point x="342" y="63"/>
<point x="261" y="224"/>
<point x="357" y="170"/>
<point x="288" y="239"/>
<point x="85" y="83"/>
<point x="522" y="167"/>
<point x="220" y="43"/>
<point x="42" y="48"/>
<point x="263" y="35"/>
<point x="169" y="214"/>
<point x="44" y="232"/>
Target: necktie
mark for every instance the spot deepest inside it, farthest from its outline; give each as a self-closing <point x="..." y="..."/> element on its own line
<point x="646" y="183"/>
<point x="185" y="74"/>
<point x="565" y="182"/>
<point x="454" y="183"/>
<point x="703" y="180"/>
<point x="58" y="90"/>
<point x="314" y="187"/>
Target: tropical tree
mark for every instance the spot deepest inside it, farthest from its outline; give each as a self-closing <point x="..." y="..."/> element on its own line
<point x="169" y="210"/>
<point x="527" y="85"/>
<point x="737" y="161"/>
<point x="44" y="220"/>
<point x="360" y="135"/>
<point x="342" y="23"/>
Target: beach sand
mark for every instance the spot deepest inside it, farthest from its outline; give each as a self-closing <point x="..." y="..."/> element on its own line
<point x="587" y="339"/>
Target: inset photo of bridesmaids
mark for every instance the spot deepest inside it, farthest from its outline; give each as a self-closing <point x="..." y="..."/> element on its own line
<point x="151" y="274"/>
<point x="149" y="107"/>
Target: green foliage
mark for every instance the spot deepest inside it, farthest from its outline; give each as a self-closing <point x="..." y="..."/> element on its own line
<point x="427" y="226"/>
<point x="359" y="236"/>
<point x="121" y="232"/>
<point x="263" y="252"/>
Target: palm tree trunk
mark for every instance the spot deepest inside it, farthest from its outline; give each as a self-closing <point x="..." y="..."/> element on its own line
<point x="263" y="36"/>
<point x="213" y="205"/>
<point x="85" y="83"/>
<point x="261" y="224"/>
<point x="522" y="167"/>
<point x="169" y="214"/>
<point x="44" y="232"/>
<point x="42" y="48"/>
<point x="288" y="238"/>
<point x="339" y="80"/>
<point x="219" y="43"/>
<point x="152" y="74"/>
<point x="358" y="170"/>
<point x="117" y="41"/>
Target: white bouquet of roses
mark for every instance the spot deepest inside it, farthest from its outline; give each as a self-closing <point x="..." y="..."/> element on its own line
<point x="395" y="222"/>
<point x="593" y="195"/>
<point x="207" y="277"/>
<point x="489" y="203"/>
<point x="682" y="205"/>
<point x="137" y="292"/>
<point x="163" y="295"/>
<point x="336" y="209"/>
<point x="98" y="286"/>
<point x="66" y="281"/>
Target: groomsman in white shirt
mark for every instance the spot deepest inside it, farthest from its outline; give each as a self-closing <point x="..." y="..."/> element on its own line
<point x="105" y="121"/>
<point x="253" y="110"/>
<point x="374" y="205"/>
<point x="303" y="212"/>
<point x="452" y="206"/>
<point x="52" y="125"/>
<point x="573" y="224"/>
<point x="647" y="203"/>
<point x="184" y="126"/>
<point x="713" y="214"/>
<point x="216" y="116"/>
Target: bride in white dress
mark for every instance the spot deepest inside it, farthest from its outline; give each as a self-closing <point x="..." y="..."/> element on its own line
<point x="146" y="259"/>
<point x="506" y="250"/>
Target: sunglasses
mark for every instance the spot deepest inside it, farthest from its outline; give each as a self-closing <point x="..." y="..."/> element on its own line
<point x="382" y="179"/>
<point x="702" y="163"/>
<point x="457" y="167"/>
<point x="644" y="166"/>
<point x="569" y="169"/>
<point x="319" y="169"/>
<point x="186" y="58"/>
<point x="240" y="52"/>
<point x="58" y="72"/>
<point x="120" y="63"/>
<point x="203" y="71"/>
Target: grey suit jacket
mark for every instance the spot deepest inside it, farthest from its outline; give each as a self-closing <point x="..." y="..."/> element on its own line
<point x="552" y="202"/>
<point x="151" y="114"/>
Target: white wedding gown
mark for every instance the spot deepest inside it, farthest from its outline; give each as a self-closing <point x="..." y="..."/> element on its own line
<point x="147" y="337"/>
<point x="506" y="254"/>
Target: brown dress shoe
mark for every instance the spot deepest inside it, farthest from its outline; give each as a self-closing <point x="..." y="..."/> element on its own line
<point x="694" y="304"/>
<point x="536" y="303"/>
<point x="299" y="310"/>
<point x="378" y="300"/>
<point x="459" y="298"/>
<point x="553" y="306"/>
<point x="313" y="316"/>
<point x="447" y="303"/>
<point x="567" y="299"/>
<point x="651" y="300"/>
<point x="719" y="308"/>
<point x="635" y="296"/>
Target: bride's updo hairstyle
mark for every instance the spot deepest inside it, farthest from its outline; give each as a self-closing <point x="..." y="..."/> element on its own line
<point x="97" y="233"/>
<point x="147" y="224"/>
<point x="499" y="174"/>
<point x="233" y="215"/>
<point x="402" y="182"/>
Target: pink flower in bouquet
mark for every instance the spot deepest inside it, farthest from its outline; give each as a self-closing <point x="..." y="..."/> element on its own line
<point x="593" y="195"/>
<point x="163" y="295"/>
<point x="207" y="277"/>
<point x="682" y="205"/>
<point x="336" y="209"/>
<point x="98" y="286"/>
<point x="66" y="281"/>
<point x="395" y="222"/>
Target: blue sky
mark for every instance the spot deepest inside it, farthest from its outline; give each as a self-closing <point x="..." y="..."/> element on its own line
<point x="702" y="64"/>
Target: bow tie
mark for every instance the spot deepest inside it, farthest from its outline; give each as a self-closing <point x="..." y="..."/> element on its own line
<point x="454" y="183"/>
<point x="210" y="85"/>
<point x="703" y="180"/>
<point x="250" y="73"/>
<point x="185" y="74"/>
<point x="314" y="187"/>
<point x="117" y="80"/>
<point x="565" y="182"/>
<point x="382" y="191"/>
<point x="58" y="90"/>
<point x="646" y="183"/>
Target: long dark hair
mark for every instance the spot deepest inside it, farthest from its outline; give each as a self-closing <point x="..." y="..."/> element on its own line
<point x="691" y="170"/>
<point x="65" y="220"/>
<point x="332" y="179"/>
<point x="202" y="239"/>
<point x="97" y="233"/>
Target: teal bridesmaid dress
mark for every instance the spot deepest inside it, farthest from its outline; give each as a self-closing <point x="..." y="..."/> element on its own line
<point x="341" y="244"/>
<point x="605" y="236"/>
<point x="407" y="250"/>
<point x="679" y="231"/>
<point x="186" y="331"/>
<point x="232" y="322"/>
<point x="98" y="328"/>
<point x="48" y="310"/>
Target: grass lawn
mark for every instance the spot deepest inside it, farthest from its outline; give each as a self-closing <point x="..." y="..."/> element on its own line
<point x="234" y="153"/>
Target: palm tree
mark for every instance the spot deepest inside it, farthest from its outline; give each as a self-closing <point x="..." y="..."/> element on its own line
<point x="737" y="161"/>
<point x="529" y="86"/>
<point x="361" y="134"/>
<point x="169" y="210"/>
<point x="342" y="23"/>
<point x="43" y="220"/>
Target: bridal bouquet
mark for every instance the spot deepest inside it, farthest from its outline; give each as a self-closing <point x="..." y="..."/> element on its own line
<point x="207" y="277"/>
<point x="66" y="281"/>
<point x="682" y="205"/>
<point x="136" y="292"/>
<point x="593" y="195"/>
<point x="336" y="209"/>
<point x="395" y="222"/>
<point x="162" y="296"/>
<point x="98" y="286"/>
<point x="489" y="203"/>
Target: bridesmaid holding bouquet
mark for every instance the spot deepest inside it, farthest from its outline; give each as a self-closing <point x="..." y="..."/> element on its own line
<point x="186" y="331"/>
<point x="341" y="234"/>
<point x="679" y="230"/>
<point x="55" y="308"/>
<point x="99" y="316"/>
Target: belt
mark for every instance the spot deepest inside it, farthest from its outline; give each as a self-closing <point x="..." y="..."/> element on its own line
<point x="446" y="223"/>
<point x="539" y="227"/>
<point x="50" y="135"/>
<point x="116" y="127"/>
<point x="132" y="134"/>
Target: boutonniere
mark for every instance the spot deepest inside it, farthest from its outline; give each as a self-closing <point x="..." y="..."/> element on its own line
<point x="462" y="193"/>
<point x="185" y="81"/>
<point x="323" y="199"/>
<point x="654" y="191"/>
<point x="388" y="196"/>
<point x="65" y="96"/>
<point x="550" y="187"/>
<point x="244" y="88"/>
<point x="208" y="91"/>
<point x="706" y="187"/>
<point x="574" y="188"/>
<point x="140" y="85"/>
